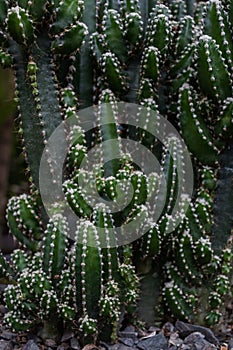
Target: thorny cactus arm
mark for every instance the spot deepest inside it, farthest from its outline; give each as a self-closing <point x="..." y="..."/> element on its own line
<point x="24" y="222"/>
<point x="215" y="84"/>
<point x="86" y="256"/>
<point x="54" y="247"/>
<point x="107" y="114"/>
<point x="194" y="130"/>
<point x="83" y="77"/>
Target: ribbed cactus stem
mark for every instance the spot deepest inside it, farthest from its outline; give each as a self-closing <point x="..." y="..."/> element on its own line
<point x="84" y="77"/>
<point x="23" y="221"/>
<point x="107" y="114"/>
<point x="216" y="84"/>
<point x="191" y="123"/>
<point x="216" y="25"/>
<point x="86" y="256"/>
<point x="55" y="246"/>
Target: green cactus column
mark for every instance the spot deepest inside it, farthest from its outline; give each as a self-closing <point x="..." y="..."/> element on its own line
<point x="39" y="46"/>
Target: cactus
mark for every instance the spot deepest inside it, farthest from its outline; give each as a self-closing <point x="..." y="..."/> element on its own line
<point x="57" y="283"/>
<point x="174" y="59"/>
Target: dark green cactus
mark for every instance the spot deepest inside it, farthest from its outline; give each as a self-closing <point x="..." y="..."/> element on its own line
<point x="174" y="58"/>
<point x="58" y="283"/>
<point x="23" y="221"/>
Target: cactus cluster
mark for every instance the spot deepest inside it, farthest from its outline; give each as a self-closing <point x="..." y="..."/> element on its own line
<point x="174" y="59"/>
<point x="52" y="280"/>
